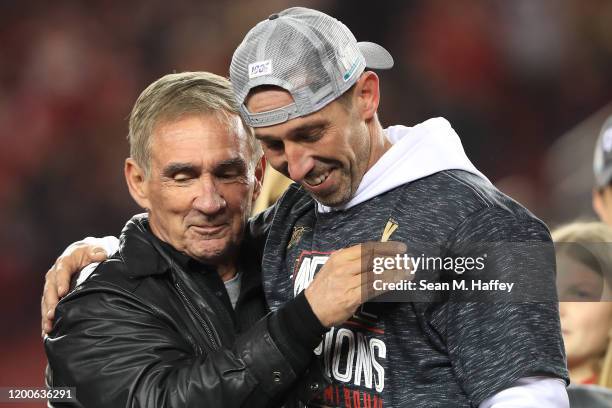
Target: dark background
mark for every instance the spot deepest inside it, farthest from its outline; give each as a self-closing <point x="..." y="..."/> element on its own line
<point x="525" y="83"/>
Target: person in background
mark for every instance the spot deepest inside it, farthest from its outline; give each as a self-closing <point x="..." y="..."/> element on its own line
<point x="584" y="283"/>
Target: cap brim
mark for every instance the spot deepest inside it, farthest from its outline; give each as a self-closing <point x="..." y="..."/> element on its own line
<point x="376" y="56"/>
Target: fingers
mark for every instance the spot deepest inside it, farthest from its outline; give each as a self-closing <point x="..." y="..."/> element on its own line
<point x="48" y="302"/>
<point x="96" y="254"/>
<point x="48" y="321"/>
<point x="57" y="279"/>
<point x="64" y="269"/>
<point x="373" y="284"/>
<point x="346" y="280"/>
<point x="371" y="249"/>
<point x="347" y="254"/>
<point x="74" y="261"/>
<point x="389" y="248"/>
<point x="359" y="259"/>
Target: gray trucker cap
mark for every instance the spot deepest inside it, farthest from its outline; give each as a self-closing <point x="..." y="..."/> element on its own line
<point x="602" y="162"/>
<point x="313" y="56"/>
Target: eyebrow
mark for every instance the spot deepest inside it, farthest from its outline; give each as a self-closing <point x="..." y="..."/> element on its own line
<point x="318" y="125"/>
<point x="234" y="162"/>
<point x="175" y="168"/>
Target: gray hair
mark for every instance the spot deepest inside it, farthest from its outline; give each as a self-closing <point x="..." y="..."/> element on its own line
<point x="175" y="95"/>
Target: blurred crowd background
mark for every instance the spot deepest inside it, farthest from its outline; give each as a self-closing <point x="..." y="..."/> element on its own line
<point x="526" y="84"/>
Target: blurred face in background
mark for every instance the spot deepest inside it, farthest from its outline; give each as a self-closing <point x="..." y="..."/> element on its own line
<point x="576" y="282"/>
<point x="585" y="320"/>
<point x="201" y="185"/>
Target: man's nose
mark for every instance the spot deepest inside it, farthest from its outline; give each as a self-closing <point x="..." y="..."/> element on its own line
<point x="209" y="199"/>
<point x="299" y="162"/>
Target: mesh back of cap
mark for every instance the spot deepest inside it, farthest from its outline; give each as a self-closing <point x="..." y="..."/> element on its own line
<point x="304" y="51"/>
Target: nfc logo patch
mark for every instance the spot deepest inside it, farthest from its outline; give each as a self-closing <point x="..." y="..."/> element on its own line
<point x="260" y="68"/>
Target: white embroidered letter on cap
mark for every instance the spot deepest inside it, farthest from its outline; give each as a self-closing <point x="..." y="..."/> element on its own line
<point x="260" y="68"/>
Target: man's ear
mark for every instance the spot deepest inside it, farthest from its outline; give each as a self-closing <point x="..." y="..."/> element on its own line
<point x="367" y="95"/>
<point x="260" y="169"/>
<point x="137" y="183"/>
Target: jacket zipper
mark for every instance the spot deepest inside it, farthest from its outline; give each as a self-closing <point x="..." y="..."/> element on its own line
<point x="204" y="323"/>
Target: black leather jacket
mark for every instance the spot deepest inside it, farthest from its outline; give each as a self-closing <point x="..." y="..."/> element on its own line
<point x="142" y="332"/>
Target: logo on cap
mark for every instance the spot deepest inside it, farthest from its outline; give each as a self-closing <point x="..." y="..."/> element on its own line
<point x="260" y="68"/>
<point x="349" y="59"/>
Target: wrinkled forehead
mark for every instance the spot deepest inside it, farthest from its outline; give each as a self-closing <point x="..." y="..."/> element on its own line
<point x="200" y="134"/>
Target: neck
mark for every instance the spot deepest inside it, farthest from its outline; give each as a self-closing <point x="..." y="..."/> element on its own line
<point x="379" y="143"/>
<point x="584" y="371"/>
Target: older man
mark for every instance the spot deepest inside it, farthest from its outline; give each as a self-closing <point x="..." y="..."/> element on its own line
<point x="176" y="317"/>
<point x="301" y="81"/>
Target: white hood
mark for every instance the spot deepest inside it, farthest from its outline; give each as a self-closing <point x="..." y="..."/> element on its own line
<point x="417" y="152"/>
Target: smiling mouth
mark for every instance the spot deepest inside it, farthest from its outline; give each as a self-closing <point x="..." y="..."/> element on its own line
<point x="317" y="180"/>
<point x="208" y="229"/>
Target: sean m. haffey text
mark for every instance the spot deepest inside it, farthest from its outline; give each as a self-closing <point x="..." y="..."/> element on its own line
<point x="412" y="264"/>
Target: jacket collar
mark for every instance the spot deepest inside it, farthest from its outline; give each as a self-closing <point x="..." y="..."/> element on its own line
<point x="137" y="249"/>
<point x="140" y="250"/>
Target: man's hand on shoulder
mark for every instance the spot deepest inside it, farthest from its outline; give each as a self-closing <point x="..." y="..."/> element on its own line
<point x="74" y="258"/>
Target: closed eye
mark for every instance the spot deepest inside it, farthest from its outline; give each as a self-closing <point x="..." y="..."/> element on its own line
<point x="231" y="169"/>
<point x="311" y="136"/>
<point x="183" y="176"/>
<point x="274" y="145"/>
<point x="181" y="172"/>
